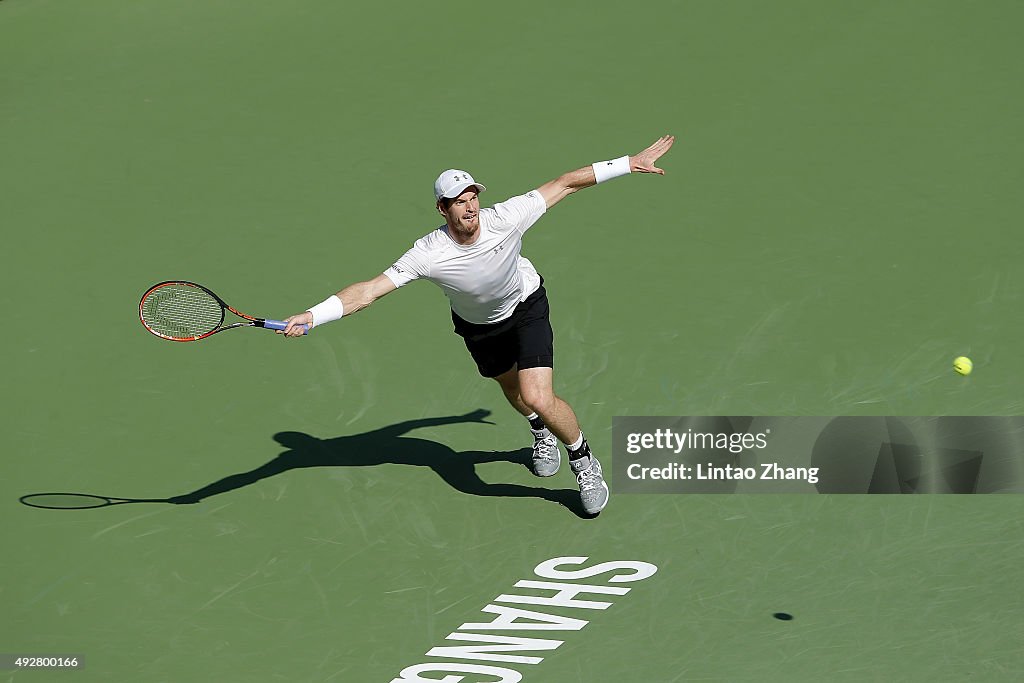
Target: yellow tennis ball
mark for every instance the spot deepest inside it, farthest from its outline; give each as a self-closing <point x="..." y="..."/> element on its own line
<point x="963" y="365"/>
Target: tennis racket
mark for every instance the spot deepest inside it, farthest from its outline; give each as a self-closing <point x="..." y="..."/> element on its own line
<point x="184" y="311"/>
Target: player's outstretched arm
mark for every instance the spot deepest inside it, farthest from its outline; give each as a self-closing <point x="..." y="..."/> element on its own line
<point x="350" y="300"/>
<point x="573" y="181"/>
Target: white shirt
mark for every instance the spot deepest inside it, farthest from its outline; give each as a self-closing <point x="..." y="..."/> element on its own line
<point x="483" y="281"/>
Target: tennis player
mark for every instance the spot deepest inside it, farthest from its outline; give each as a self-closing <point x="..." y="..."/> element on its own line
<point x="499" y="305"/>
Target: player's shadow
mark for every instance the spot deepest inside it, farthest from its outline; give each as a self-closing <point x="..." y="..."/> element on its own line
<point x="389" y="445"/>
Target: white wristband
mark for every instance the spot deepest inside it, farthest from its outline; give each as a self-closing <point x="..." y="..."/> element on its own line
<point x="606" y="170"/>
<point x="327" y="310"/>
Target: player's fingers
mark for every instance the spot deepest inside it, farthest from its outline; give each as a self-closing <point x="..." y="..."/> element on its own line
<point x="658" y="144"/>
<point x="663" y="144"/>
<point x="650" y="168"/>
<point x="294" y="325"/>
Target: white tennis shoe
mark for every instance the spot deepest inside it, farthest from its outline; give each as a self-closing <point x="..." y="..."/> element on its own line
<point x="593" y="489"/>
<point x="546" y="456"/>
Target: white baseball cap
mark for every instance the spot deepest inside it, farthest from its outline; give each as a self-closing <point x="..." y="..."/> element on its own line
<point x="454" y="182"/>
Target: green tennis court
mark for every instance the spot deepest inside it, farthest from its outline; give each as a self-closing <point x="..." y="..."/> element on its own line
<point x="839" y="220"/>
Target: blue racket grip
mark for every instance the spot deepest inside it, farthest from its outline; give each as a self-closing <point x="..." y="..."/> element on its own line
<point x="280" y="325"/>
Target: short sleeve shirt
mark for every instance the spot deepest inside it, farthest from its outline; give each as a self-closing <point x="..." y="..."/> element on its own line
<point x="483" y="281"/>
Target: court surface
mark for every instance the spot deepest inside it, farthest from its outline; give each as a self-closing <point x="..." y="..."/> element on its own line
<point x="839" y="220"/>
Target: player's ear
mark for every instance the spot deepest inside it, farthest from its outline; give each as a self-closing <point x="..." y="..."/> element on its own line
<point x="441" y="207"/>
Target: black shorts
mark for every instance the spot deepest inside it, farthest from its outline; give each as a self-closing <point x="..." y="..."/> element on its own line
<point x="524" y="338"/>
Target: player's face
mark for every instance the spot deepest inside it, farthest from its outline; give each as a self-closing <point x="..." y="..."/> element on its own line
<point x="463" y="213"/>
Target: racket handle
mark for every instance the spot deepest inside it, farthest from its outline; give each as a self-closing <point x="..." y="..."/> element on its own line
<point x="280" y="325"/>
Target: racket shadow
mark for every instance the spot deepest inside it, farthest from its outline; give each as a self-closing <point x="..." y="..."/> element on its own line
<point x="79" y="501"/>
<point x="389" y="445"/>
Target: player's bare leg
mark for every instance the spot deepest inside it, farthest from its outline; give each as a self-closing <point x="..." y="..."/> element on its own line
<point x="536" y="390"/>
<point x="509" y="383"/>
<point x="546" y="458"/>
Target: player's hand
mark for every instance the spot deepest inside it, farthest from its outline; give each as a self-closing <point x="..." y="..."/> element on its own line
<point x="645" y="160"/>
<point x="295" y="323"/>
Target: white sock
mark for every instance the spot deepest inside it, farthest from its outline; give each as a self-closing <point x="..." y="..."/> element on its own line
<point x="541" y="433"/>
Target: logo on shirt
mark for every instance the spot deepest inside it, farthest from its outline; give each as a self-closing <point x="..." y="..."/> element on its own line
<point x="395" y="267"/>
<point x="498" y="248"/>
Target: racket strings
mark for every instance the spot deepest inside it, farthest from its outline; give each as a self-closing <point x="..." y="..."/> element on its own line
<point x="181" y="311"/>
